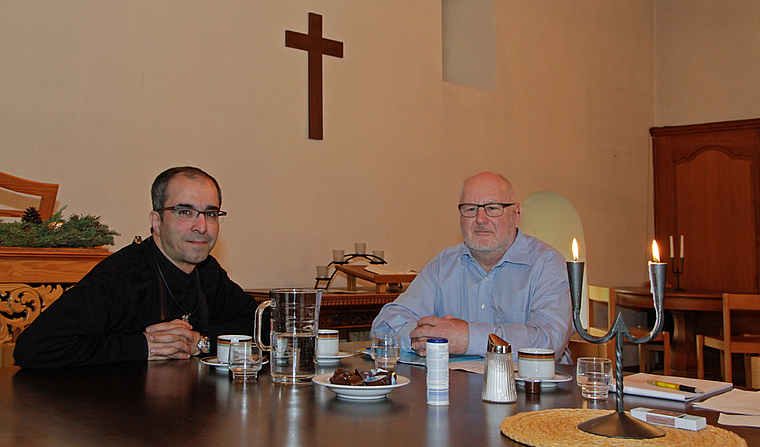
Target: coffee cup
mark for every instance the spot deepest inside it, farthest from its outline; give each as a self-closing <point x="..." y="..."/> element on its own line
<point x="535" y="362"/>
<point x="327" y="343"/>
<point x="223" y="345"/>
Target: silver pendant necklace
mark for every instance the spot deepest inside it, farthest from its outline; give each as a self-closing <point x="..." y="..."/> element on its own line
<point x="185" y="314"/>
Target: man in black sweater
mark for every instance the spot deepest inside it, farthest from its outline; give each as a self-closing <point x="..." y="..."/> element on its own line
<point x="164" y="298"/>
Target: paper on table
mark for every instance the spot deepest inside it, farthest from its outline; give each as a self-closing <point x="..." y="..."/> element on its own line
<point x="411" y="358"/>
<point x="734" y="401"/>
<point x="637" y="384"/>
<point x="741" y="420"/>
<point x="388" y="269"/>
<point x="473" y="366"/>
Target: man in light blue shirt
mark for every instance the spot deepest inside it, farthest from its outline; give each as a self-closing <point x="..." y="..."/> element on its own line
<point x="498" y="281"/>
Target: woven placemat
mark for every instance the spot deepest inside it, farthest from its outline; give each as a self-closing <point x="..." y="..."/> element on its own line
<point x="558" y="428"/>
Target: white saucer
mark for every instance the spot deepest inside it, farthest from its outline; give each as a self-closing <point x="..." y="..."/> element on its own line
<point x="546" y="383"/>
<point x="359" y="392"/>
<point x="213" y="361"/>
<point x="333" y="359"/>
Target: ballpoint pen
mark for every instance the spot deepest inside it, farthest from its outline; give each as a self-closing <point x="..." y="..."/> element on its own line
<point x="675" y="386"/>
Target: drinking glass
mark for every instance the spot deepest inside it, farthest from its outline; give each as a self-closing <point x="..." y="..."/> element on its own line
<point x="244" y="361"/>
<point x="386" y="350"/>
<point x="594" y="376"/>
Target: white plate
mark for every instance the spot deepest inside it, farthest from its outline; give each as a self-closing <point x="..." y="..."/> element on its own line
<point x="213" y="361"/>
<point x="546" y="383"/>
<point x="359" y="392"/>
<point x="333" y="359"/>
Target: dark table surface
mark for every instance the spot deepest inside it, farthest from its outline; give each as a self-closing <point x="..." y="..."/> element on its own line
<point x="189" y="403"/>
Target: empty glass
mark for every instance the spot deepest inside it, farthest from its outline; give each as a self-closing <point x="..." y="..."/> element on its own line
<point x="244" y="361"/>
<point x="386" y="350"/>
<point x="594" y="376"/>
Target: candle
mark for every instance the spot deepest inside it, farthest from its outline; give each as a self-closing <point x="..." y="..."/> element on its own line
<point x="672" y="252"/>
<point x="682" y="246"/>
<point x="656" y="271"/>
<point x="575" y="250"/>
<point x="575" y="275"/>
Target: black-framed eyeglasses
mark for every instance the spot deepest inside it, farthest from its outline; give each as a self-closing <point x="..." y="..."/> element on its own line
<point x="491" y="209"/>
<point x="189" y="214"/>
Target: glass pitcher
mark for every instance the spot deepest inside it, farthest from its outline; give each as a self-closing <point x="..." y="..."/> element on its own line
<point x="293" y="334"/>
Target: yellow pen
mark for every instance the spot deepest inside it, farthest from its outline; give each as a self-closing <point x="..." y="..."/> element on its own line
<point x="675" y="386"/>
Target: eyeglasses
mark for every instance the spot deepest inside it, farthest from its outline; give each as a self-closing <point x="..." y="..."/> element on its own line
<point x="188" y="214"/>
<point x="491" y="209"/>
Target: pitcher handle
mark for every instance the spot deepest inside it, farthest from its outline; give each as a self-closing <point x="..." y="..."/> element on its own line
<point x="259" y="311"/>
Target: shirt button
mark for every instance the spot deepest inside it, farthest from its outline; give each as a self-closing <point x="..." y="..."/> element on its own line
<point x="483" y="306"/>
<point x="486" y="279"/>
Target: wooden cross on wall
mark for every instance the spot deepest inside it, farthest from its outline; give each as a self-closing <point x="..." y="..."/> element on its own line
<point x="316" y="45"/>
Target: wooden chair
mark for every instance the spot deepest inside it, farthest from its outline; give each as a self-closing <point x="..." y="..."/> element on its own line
<point x="46" y="191"/>
<point x="606" y="297"/>
<point x="729" y="342"/>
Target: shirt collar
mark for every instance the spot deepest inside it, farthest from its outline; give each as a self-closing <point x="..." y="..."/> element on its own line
<point x="517" y="253"/>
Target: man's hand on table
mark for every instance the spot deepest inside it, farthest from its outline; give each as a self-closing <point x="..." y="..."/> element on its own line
<point x="172" y="340"/>
<point x="455" y="330"/>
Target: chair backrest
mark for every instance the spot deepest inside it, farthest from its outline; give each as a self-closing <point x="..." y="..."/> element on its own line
<point x="602" y="295"/>
<point x="737" y="301"/>
<point x="46" y="191"/>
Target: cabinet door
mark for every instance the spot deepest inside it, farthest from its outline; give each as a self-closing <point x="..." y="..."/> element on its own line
<point x="706" y="180"/>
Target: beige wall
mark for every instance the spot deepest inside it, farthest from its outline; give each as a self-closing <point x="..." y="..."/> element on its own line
<point x="707" y="61"/>
<point x="102" y="96"/>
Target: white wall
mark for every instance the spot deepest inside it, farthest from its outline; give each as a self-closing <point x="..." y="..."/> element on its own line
<point x="707" y="61"/>
<point x="102" y="96"/>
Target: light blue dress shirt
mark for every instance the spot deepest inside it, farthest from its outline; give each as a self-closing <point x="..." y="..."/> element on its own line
<point x="525" y="299"/>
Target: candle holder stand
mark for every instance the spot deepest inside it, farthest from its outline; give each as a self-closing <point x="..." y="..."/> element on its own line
<point x="619" y="424"/>
<point x="677" y="270"/>
<point x="347" y="259"/>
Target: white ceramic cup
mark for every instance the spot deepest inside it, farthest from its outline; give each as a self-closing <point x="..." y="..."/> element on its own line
<point x="535" y="362"/>
<point x="327" y="343"/>
<point x="223" y="345"/>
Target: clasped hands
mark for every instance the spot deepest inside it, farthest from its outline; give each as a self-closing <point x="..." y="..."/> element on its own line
<point x="455" y="330"/>
<point x="172" y="340"/>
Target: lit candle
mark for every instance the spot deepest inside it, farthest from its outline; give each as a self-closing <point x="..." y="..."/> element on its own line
<point x="575" y="275"/>
<point x="657" y="269"/>
<point x="575" y="250"/>
<point x="682" y="246"/>
<point x="672" y="252"/>
<point x="658" y="272"/>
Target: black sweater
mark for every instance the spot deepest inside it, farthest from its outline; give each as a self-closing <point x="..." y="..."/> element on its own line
<point x="103" y="317"/>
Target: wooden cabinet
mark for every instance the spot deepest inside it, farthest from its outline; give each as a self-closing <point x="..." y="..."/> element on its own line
<point x="707" y="188"/>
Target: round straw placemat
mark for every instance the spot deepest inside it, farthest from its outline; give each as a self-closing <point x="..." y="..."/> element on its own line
<point x="558" y="428"/>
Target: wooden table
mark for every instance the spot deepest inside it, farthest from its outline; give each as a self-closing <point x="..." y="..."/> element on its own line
<point x="693" y="312"/>
<point x="186" y="403"/>
<point x="381" y="280"/>
<point x="31" y="279"/>
<point x="350" y="312"/>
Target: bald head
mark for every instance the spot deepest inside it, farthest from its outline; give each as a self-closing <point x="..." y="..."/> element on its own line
<point x="492" y="179"/>
<point x="489" y="237"/>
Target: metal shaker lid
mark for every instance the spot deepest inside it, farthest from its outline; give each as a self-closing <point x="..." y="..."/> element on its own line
<point x="497" y="345"/>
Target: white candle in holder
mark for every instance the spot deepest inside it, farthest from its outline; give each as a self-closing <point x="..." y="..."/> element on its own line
<point x="323" y="271"/>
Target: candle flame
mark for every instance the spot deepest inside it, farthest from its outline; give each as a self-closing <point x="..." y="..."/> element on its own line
<point x="655" y="252"/>
<point x="575" y="250"/>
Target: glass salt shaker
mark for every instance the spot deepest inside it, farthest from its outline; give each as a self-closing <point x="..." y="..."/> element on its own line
<point x="499" y="376"/>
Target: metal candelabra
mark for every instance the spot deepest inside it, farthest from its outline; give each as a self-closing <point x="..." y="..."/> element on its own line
<point x="677" y="270"/>
<point x="619" y="424"/>
<point x="346" y="259"/>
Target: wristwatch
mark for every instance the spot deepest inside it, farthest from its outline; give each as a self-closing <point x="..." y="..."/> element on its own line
<point x="204" y="344"/>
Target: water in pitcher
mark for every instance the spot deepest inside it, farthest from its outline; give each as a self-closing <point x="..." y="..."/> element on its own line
<point x="293" y="331"/>
<point x="294" y="358"/>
